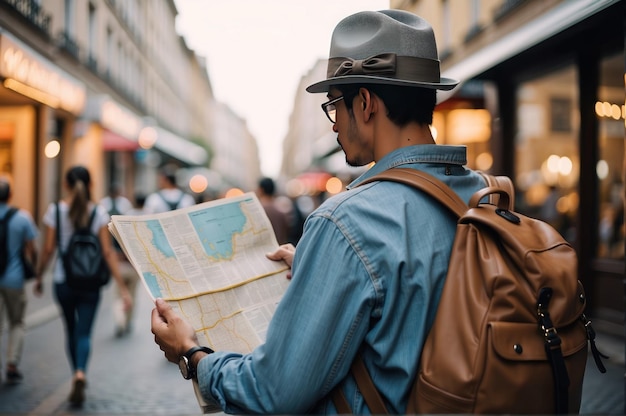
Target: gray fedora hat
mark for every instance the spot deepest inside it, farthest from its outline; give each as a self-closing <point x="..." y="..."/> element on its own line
<point x="391" y="47"/>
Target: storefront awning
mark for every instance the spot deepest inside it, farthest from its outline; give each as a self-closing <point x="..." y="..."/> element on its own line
<point x="556" y="20"/>
<point x="114" y="142"/>
<point x="180" y="148"/>
<point x="29" y="73"/>
<point x="114" y="117"/>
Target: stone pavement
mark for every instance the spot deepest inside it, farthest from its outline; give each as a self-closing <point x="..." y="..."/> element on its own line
<point x="126" y="376"/>
<point x="603" y="394"/>
<point x="130" y="376"/>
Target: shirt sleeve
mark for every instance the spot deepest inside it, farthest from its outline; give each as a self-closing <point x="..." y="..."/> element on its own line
<point x="30" y="229"/>
<point x="311" y="339"/>
<point x="49" y="217"/>
<point x="101" y="219"/>
<point x="152" y="203"/>
<point x="187" y="201"/>
<point x="125" y="205"/>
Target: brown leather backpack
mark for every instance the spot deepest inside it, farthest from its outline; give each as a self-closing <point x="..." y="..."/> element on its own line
<point x="510" y="336"/>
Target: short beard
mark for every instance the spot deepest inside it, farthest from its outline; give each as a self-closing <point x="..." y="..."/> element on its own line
<point x="353" y="136"/>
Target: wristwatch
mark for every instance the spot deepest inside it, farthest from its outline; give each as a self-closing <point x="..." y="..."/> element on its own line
<point x="184" y="362"/>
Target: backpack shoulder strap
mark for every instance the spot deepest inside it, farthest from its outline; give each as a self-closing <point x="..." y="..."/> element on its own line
<point x="366" y="386"/>
<point x="113" y="210"/>
<point x="58" y="229"/>
<point x="180" y="198"/>
<point x="172" y="205"/>
<point x="427" y="183"/>
<point x="5" y="221"/>
<point x="91" y="217"/>
<point x="12" y="211"/>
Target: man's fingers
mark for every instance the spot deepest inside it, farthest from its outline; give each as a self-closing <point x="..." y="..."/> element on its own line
<point x="275" y="255"/>
<point x="284" y="252"/>
<point x="164" y="309"/>
<point x="155" y="322"/>
<point x="289" y="248"/>
<point x="158" y="314"/>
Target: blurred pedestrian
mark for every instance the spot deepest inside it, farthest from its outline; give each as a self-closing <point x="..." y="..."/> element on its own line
<point x="123" y="315"/>
<point x="20" y="233"/>
<point x="169" y="197"/>
<point x="115" y="203"/>
<point x="78" y="306"/>
<point x="278" y="216"/>
<point x="139" y="207"/>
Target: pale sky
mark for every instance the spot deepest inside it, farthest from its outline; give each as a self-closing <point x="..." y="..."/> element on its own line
<point x="257" y="51"/>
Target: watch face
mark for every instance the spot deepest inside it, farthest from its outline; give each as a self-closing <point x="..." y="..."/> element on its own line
<point x="183" y="365"/>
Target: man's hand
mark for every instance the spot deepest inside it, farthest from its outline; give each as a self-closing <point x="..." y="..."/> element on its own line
<point x="173" y="335"/>
<point x="38" y="286"/>
<point x="284" y="253"/>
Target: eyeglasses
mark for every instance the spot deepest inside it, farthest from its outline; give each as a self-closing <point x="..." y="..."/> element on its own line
<point x="330" y="110"/>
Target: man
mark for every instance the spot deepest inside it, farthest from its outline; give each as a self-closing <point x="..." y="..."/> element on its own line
<point x="117" y="204"/>
<point x="368" y="272"/>
<point x="21" y="235"/>
<point x="169" y="197"/>
<point x="278" y="216"/>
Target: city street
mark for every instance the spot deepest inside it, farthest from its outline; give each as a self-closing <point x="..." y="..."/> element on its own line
<point x="125" y="376"/>
<point x="130" y="376"/>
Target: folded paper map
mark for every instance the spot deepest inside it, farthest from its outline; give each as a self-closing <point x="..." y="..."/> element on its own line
<point x="208" y="261"/>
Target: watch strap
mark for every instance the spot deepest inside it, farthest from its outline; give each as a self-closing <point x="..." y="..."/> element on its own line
<point x="197" y="348"/>
<point x="191" y="369"/>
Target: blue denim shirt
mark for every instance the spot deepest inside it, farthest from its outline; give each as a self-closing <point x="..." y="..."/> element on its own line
<point x="367" y="276"/>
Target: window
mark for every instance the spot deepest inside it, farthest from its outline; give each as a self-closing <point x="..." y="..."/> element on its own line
<point x="609" y="169"/>
<point x="110" y="51"/>
<point x="546" y="149"/>
<point x="69" y="17"/>
<point x="92" y="31"/>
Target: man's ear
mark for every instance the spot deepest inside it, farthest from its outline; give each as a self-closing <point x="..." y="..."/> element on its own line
<point x="366" y="98"/>
<point x="364" y="95"/>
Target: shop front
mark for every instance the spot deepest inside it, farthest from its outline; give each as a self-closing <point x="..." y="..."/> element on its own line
<point x="115" y="129"/>
<point x="39" y="103"/>
<point x="554" y="91"/>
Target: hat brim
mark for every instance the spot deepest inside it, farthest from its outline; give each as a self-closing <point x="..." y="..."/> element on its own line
<point x="445" y="84"/>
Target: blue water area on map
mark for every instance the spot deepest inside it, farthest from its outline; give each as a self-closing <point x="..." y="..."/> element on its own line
<point x="153" y="284"/>
<point x="217" y="227"/>
<point x="158" y="238"/>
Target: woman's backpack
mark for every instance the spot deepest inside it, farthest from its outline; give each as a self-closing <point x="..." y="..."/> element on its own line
<point x="83" y="261"/>
<point x="4" y="248"/>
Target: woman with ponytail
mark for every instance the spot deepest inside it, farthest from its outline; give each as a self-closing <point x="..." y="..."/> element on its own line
<point x="78" y="306"/>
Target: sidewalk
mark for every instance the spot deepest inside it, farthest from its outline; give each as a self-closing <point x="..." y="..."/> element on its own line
<point x="603" y="394"/>
<point x="126" y="376"/>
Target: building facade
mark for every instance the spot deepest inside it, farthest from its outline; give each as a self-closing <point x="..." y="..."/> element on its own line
<point x="103" y="83"/>
<point x="542" y="100"/>
<point x="236" y="157"/>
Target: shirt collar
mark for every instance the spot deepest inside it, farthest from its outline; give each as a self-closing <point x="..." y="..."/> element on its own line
<point x="422" y="153"/>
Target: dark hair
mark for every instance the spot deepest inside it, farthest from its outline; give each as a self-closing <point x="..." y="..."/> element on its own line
<point x="267" y="186"/>
<point x="140" y="199"/>
<point x="404" y="104"/>
<point x="79" y="181"/>
<point x="169" y="173"/>
<point x="5" y="190"/>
